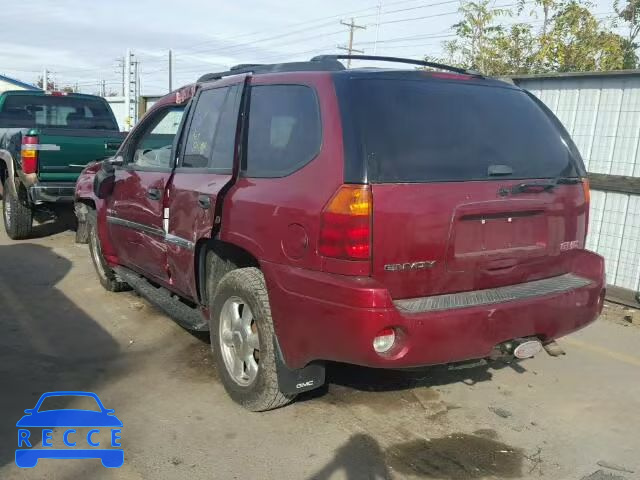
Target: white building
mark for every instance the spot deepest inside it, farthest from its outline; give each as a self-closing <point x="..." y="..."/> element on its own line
<point x="8" y="83"/>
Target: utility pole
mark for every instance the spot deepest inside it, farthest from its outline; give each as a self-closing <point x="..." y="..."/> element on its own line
<point x="45" y="79"/>
<point x="352" y="28"/>
<point x="121" y="70"/>
<point x="129" y="106"/>
<point x="170" y="71"/>
<point x="138" y="88"/>
<point x="378" y="13"/>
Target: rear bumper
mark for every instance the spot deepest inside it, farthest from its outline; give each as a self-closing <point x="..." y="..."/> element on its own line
<point x="52" y="192"/>
<point x="320" y="316"/>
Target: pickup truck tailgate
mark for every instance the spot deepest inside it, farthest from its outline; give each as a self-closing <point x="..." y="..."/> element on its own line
<point x="65" y="152"/>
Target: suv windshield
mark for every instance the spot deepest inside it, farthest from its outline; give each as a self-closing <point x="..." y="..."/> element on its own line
<point x="434" y="131"/>
<point x="31" y="111"/>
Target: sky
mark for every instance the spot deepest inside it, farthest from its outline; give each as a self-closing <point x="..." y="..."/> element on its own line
<point x="81" y="41"/>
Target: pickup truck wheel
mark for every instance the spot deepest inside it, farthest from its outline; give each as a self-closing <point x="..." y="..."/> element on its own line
<point x="17" y="214"/>
<point x="108" y="278"/>
<point x="242" y="334"/>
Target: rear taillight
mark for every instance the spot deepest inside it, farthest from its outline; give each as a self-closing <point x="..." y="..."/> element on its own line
<point x="587" y="190"/>
<point x="29" y="154"/>
<point x="345" y="230"/>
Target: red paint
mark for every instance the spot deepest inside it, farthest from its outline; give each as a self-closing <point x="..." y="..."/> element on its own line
<point x="190" y="221"/>
<point x="444" y="223"/>
<point x="142" y="251"/>
<point x="336" y="317"/>
<point x="328" y="308"/>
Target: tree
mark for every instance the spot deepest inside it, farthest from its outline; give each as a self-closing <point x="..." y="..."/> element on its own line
<point x="476" y="33"/>
<point x="630" y="15"/>
<point x="577" y="42"/>
<point x="50" y="84"/>
<point x="570" y="39"/>
<point x="516" y="51"/>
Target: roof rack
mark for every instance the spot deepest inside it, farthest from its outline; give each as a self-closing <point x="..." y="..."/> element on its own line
<point x="325" y="63"/>
<point x="319" y="65"/>
<point x="422" y="63"/>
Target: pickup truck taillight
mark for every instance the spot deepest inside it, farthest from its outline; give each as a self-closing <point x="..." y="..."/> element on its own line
<point x="345" y="230"/>
<point x="29" y="154"/>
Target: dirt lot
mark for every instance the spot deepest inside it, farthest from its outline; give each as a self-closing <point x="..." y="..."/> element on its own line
<point x="571" y="417"/>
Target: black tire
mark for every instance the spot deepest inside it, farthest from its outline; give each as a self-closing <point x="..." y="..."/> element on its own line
<point x="248" y="284"/>
<point x="108" y="278"/>
<point x="17" y="213"/>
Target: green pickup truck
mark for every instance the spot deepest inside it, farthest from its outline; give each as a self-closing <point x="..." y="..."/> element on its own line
<point x="46" y="139"/>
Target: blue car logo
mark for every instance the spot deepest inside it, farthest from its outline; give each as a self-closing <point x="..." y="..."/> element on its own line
<point x="69" y="420"/>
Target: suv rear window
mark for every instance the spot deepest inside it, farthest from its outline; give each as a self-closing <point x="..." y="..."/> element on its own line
<point x="435" y="131"/>
<point x="28" y="111"/>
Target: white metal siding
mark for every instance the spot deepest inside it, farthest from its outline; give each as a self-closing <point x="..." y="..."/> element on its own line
<point x="602" y="114"/>
<point x="4" y="86"/>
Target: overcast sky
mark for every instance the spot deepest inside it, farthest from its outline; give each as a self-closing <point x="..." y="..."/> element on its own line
<point x="81" y="40"/>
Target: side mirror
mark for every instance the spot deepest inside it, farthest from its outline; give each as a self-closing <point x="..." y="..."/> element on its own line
<point x="104" y="181"/>
<point x="29" y="411"/>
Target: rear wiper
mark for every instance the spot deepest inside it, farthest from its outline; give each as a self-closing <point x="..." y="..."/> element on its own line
<point x="534" y="187"/>
<point x="539" y="187"/>
<point x="568" y="180"/>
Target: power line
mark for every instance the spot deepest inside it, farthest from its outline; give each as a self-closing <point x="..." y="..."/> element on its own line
<point x="307" y="22"/>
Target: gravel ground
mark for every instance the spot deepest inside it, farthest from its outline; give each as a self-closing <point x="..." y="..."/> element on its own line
<point x="570" y="417"/>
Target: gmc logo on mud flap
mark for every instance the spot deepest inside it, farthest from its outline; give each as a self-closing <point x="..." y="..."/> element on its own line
<point x="305" y="384"/>
<point x="401" y="267"/>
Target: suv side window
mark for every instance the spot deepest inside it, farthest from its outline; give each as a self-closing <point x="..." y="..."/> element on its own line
<point x="152" y="149"/>
<point x="224" y="145"/>
<point x="203" y="127"/>
<point x="285" y="132"/>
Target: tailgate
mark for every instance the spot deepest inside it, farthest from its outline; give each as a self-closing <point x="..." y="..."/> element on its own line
<point x="475" y="185"/>
<point x="65" y="152"/>
<point x="430" y="239"/>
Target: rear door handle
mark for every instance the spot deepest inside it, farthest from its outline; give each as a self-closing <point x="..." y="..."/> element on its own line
<point x="153" y="194"/>
<point x="204" y="201"/>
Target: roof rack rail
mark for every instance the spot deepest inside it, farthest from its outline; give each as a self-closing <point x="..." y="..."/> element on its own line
<point x="422" y="63"/>
<point x="242" y="66"/>
<point x="257" y="68"/>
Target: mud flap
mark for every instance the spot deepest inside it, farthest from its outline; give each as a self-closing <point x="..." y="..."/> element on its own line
<point x="300" y="380"/>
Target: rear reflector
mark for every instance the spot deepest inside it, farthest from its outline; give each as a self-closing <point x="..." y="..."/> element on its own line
<point x="345" y="230"/>
<point x="29" y="154"/>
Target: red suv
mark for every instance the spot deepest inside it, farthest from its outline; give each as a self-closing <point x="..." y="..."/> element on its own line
<point x="303" y="212"/>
